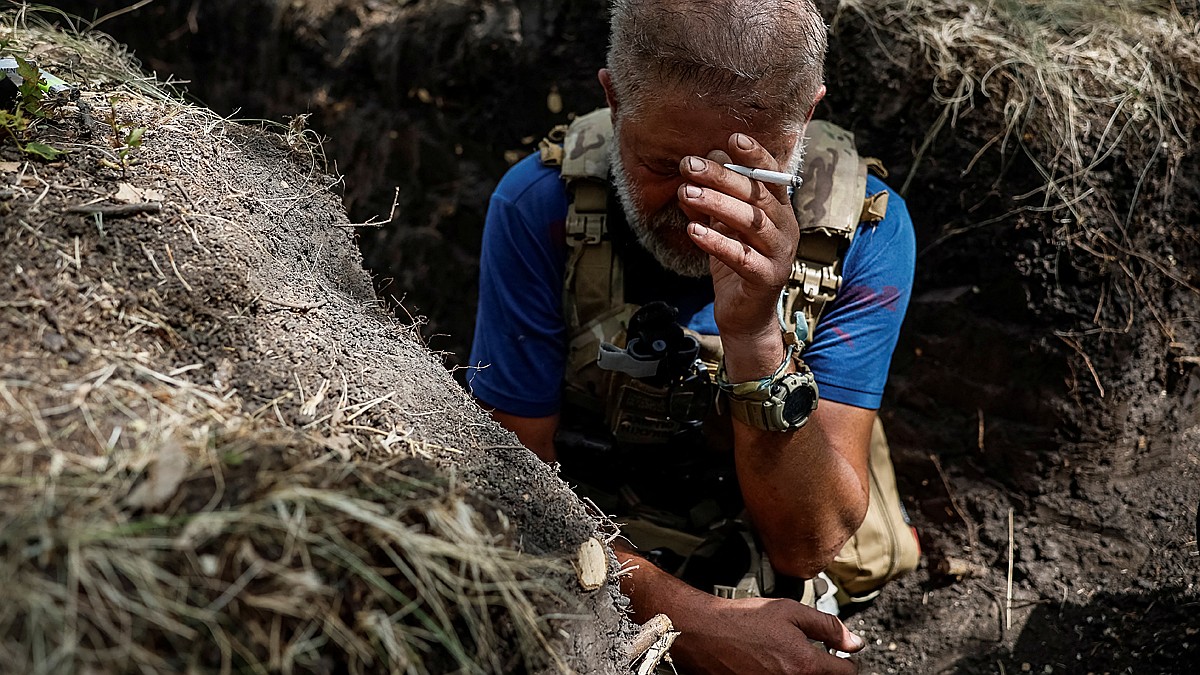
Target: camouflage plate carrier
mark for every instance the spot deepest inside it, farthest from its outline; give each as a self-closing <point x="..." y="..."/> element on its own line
<point x="829" y="206"/>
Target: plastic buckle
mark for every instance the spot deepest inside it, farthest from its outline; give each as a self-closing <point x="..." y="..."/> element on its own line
<point x="590" y="227"/>
<point x="817" y="283"/>
<point x="587" y="227"/>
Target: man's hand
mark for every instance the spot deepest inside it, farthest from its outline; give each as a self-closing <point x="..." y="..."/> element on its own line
<point x="763" y="636"/>
<point x="736" y="636"/>
<point x="751" y="236"/>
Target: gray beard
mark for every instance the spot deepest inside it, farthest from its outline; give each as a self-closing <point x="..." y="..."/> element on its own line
<point x="664" y="233"/>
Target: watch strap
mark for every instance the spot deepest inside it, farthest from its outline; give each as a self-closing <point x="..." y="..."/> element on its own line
<point x="782" y="401"/>
<point x="773" y="409"/>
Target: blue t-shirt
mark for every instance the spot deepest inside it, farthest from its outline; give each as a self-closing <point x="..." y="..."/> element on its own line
<point x="520" y="348"/>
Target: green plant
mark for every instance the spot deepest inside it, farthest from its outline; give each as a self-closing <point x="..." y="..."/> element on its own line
<point x="125" y="138"/>
<point x="31" y="105"/>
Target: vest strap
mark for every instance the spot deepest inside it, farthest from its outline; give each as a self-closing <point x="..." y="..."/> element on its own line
<point x="594" y="280"/>
<point x="829" y="205"/>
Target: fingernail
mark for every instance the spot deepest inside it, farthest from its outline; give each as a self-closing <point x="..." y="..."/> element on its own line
<point x="698" y="230"/>
<point x="692" y="191"/>
<point x="695" y="164"/>
<point x="743" y="141"/>
<point x="857" y="641"/>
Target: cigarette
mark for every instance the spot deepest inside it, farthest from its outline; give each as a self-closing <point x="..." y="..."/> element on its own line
<point x="773" y="177"/>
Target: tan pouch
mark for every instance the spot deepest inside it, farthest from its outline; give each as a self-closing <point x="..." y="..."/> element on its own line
<point x="885" y="546"/>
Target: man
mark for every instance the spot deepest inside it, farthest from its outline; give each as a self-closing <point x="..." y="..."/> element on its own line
<point x="693" y="85"/>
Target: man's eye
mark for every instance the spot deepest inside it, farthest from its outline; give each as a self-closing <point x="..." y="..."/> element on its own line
<point x="662" y="169"/>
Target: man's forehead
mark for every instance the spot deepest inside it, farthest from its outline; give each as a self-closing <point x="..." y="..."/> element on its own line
<point x="676" y="128"/>
<point x="682" y="109"/>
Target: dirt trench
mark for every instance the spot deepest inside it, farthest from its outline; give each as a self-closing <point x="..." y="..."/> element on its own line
<point x="1047" y="364"/>
<point x="1039" y="377"/>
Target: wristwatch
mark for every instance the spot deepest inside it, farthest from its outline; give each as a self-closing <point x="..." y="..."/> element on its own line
<point x="781" y="402"/>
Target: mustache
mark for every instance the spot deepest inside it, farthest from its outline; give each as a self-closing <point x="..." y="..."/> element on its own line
<point x="668" y="217"/>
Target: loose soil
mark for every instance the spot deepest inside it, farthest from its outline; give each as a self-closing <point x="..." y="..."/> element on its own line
<point x="1034" y="383"/>
<point x="226" y="313"/>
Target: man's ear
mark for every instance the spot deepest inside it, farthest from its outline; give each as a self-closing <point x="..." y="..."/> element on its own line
<point x="610" y="95"/>
<point x="816" y="99"/>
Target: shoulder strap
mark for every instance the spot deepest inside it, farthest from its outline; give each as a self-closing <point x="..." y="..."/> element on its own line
<point x="829" y="206"/>
<point x="593" y="283"/>
<point x="593" y="292"/>
<point x="585" y="146"/>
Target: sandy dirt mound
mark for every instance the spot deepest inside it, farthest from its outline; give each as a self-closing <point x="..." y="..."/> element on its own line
<point x="218" y="449"/>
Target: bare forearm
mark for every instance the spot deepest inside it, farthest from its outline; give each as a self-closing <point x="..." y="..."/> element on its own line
<point x="652" y="591"/>
<point x="804" y="497"/>
<point x="804" y="489"/>
<point x="535" y="433"/>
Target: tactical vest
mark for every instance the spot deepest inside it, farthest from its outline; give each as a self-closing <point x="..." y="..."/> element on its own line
<point x="829" y="206"/>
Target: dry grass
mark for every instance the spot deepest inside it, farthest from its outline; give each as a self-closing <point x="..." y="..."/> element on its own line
<point x="1054" y="69"/>
<point x="254" y="551"/>
<point x="1103" y="99"/>
<point x="154" y="521"/>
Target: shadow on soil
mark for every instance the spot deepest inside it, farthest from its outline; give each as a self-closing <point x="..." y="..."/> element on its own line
<point x="1140" y="632"/>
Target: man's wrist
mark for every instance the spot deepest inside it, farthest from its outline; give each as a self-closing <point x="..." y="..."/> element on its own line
<point x="754" y="358"/>
<point x="654" y="591"/>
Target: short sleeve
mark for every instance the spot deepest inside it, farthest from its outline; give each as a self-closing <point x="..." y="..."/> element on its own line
<point x="852" y="348"/>
<point x="518" y="354"/>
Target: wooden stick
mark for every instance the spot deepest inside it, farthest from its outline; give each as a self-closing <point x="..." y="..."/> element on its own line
<point x="657" y="653"/>
<point x="592" y="564"/>
<point x="963" y="569"/>
<point x="118" y="211"/>
<point x="175" y="268"/>
<point x="650" y="633"/>
<point x="980" y="439"/>
<point x="1008" y="597"/>
<point x="972" y="527"/>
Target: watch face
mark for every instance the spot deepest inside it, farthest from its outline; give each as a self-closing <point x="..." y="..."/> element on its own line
<point x="799" y="403"/>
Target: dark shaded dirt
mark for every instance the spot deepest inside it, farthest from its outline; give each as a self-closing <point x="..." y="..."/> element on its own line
<point x="432" y="98"/>
<point x="1031" y="378"/>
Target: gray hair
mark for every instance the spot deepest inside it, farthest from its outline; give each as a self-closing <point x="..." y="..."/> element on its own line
<point x="756" y="56"/>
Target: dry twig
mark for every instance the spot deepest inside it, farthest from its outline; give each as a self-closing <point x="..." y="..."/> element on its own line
<point x="972" y="526"/>
<point x="1009" y="593"/>
<point x="116" y="210"/>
